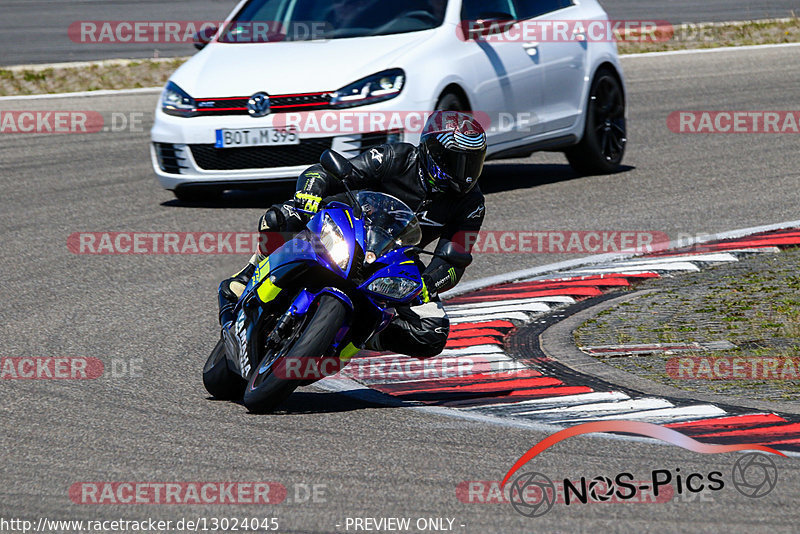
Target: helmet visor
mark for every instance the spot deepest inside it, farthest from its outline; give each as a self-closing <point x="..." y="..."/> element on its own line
<point x="461" y="168"/>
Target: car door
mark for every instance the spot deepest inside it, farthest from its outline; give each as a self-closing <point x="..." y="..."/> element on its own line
<point x="563" y="61"/>
<point x="507" y="72"/>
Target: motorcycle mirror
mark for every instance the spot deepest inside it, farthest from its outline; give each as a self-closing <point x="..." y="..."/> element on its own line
<point x="338" y="166"/>
<point x="450" y="253"/>
<point x="335" y="164"/>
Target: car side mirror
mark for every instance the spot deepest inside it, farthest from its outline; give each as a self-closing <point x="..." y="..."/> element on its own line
<point x="336" y="165"/>
<point x="487" y="24"/>
<point x="204" y="36"/>
<point x="454" y="255"/>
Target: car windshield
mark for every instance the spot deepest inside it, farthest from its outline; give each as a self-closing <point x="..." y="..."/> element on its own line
<point x="303" y="20"/>
<point x="389" y="223"/>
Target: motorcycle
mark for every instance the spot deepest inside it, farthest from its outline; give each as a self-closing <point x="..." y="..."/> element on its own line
<point x="314" y="301"/>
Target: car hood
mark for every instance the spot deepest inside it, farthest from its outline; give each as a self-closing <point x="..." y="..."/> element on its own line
<point x="227" y="70"/>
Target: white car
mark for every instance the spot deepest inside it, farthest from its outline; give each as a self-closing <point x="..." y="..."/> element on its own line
<point x="228" y="117"/>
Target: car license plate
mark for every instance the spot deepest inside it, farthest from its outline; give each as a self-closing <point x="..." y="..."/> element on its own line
<point x="245" y="137"/>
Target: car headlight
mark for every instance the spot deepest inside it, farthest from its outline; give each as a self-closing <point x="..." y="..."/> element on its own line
<point x="334" y="242"/>
<point x="176" y="101"/>
<point x="393" y="287"/>
<point x="376" y="88"/>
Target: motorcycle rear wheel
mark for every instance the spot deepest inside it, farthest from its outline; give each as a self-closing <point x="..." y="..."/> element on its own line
<point x="310" y="338"/>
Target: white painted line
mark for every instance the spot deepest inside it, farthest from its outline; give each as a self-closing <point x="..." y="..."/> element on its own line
<point x="513" y="316"/>
<point x="566" y="400"/>
<point x="633" y="269"/>
<point x="555" y="300"/>
<point x="532" y="307"/>
<point x="104" y="92"/>
<point x="470" y="351"/>
<point x="708" y="50"/>
<point x="702" y="411"/>
<point x="404" y="362"/>
<point x="764" y="250"/>
<point x="478" y="306"/>
<point x="626" y="406"/>
<point x="707" y="257"/>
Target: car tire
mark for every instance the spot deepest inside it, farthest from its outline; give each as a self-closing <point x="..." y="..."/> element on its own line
<point x="450" y="101"/>
<point x="196" y="193"/>
<point x="605" y="136"/>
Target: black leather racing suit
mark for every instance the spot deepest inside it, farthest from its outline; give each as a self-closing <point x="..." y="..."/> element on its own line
<point x="394" y="169"/>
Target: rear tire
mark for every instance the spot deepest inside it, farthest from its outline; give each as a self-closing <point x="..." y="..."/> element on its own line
<point x="266" y="391"/>
<point x="219" y="380"/>
<point x="605" y="136"/>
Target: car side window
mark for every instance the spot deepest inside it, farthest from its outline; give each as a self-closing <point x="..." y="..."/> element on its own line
<point x="528" y="9"/>
<point x="484" y="9"/>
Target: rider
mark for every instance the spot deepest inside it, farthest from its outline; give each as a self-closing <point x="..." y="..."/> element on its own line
<point x="437" y="180"/>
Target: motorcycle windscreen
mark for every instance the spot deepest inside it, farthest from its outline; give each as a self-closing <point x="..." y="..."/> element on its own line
<point x="389" y="223"/>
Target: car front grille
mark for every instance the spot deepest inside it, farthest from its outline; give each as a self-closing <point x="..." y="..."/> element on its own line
<point x="209" y="107"/>
<point x="170" y="158"/>
<point x="308" y="152"/>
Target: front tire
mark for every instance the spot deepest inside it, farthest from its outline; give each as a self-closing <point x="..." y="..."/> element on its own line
<point x="605" y="136"/>
<point x="219" y="380"/>
<point x="310" y="339"/>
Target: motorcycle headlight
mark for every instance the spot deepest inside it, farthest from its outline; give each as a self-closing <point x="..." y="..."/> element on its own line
<point x="175" y="101"/>
<point x="393" y="287"/>
<point x="334" y="242"/>
<point x="376" y="88"/>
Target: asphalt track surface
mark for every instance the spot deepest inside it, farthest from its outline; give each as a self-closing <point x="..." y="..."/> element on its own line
<point x="35" y="31"/>
<point x="374" y="461"/>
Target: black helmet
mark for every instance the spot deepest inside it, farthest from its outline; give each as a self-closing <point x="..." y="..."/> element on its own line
<point x="452" y="150"/>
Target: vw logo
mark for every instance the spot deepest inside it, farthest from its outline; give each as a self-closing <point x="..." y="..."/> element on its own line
<point x="258" y="105"/>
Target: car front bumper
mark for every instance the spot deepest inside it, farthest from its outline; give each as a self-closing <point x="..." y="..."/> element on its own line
<point x="182" y="150"/>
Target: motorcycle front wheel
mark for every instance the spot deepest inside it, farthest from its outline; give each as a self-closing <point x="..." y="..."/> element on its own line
<point x="219" y="380"/>
<point x="309" y="338"/>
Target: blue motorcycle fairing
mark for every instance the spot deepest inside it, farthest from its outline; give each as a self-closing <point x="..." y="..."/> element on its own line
<point x="399" y="266"/>
<point x="305" y="299"/>
<point x="306" y="251"/>
<point x="352" y="229"/>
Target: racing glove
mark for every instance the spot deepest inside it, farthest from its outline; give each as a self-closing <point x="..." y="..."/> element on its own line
<point x="428" y="291"/>
<point x="269" y="224"/>
<point x="307" y="201"/>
